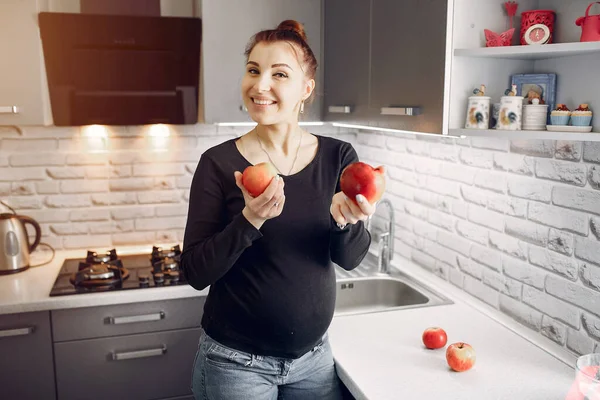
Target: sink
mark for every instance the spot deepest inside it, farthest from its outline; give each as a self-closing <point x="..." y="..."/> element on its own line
<point x="383" y="292"/>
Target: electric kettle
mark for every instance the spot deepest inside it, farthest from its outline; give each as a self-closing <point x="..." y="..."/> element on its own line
<point x="15" y="247"/>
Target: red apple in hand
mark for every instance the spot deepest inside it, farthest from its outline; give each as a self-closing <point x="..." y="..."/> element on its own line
<point x="434" y="338"/>
<point x="360" y="178"/>
<point x="460" y="356"/>
<point x="256" y="178"/>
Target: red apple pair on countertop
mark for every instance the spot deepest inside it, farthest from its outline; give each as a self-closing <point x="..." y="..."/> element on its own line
<point x="460" y="356"/>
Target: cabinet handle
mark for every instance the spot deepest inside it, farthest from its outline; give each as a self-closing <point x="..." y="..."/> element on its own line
<point x="128" y="355"/>
<point x="16" y="332"/>
<point x="340" y="109"/>
<point x="136" y="318"/>
<point x="400" y="110"/>
<point x="9" y="110"/>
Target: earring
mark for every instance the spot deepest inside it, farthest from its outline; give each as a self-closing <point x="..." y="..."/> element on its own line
<point x="302" y="107"/>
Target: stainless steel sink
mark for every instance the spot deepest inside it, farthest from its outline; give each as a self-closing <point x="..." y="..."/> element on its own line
<point x="383" y="292"/>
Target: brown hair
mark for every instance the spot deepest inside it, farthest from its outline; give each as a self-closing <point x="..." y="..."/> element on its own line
<point x="292" y="32"/>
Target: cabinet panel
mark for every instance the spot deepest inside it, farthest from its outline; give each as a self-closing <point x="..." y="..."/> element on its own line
<point x="408" y="48"/>
<point x="95" y="322"/>
<point x="27" y="370"/>
<point x="228" y="26"/>
<point x="346" y="59"/>
<point x="146" y="366"/>
<point x="24" y="94"/>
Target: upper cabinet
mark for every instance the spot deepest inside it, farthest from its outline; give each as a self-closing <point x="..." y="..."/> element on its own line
<point x="228" y="26"/>
<point x="393" y="56"/>
<point x="24" y="92"/>
<point x="346" y="60"/>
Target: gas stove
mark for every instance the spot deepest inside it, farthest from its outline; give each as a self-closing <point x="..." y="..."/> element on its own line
<point x="100" y="272"/>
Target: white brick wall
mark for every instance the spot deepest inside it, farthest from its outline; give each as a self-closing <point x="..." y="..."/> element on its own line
<point x="128" y="195"/>
<point x="526" y="232"/>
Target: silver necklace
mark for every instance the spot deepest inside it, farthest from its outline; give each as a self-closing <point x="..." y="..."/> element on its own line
<point x="269" y="157"/>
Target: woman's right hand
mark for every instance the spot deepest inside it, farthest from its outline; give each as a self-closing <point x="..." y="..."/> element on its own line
<point x="267" y="205"/>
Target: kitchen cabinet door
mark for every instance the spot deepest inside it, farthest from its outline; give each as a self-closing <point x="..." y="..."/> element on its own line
<point x="153" y="365"/>
<point x="228" y="26"/>
<point x="26" y="366"/>
<point x="24" y="91"/>
<point x="346" y="60"/>
<point x="408" y="50"/>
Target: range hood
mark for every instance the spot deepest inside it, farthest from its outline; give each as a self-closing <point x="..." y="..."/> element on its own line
<point x="121" y="70"/>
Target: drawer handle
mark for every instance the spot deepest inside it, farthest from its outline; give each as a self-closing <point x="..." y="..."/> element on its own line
<point x="400" y="110"/>
<point x="136" y="318"/>
<point x="129" y="355"/>
<point x="9" y="110"/>
<point x="340" y="109"/>
<point x="16" y="332"/>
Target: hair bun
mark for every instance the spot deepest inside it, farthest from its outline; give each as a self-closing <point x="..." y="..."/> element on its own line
<point x="292" y="25"/>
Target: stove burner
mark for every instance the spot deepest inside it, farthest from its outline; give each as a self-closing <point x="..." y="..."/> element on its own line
<point x="158" y="254"/>
<point x="100" y="274"/>
<point x="98" y="271"/>
<point x="95" y="258"/>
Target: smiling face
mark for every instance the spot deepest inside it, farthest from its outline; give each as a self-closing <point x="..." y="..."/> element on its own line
<point x="274" y="84"/>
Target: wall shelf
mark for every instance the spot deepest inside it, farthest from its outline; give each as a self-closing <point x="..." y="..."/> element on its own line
<point x="527" y="135"/>
<point x="533" y="52"/>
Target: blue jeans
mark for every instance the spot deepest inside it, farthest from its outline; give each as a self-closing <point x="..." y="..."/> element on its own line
<point x="223" y="373"/>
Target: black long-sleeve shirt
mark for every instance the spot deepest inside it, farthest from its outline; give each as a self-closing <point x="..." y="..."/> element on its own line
<point x="272" y="291"/>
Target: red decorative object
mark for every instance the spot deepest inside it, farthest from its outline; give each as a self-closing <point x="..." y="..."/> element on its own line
<point x="537" y="17"/>
<point x="511" y="10"/>
<point x="493" y="39"/>
<point x="590" y="26"/>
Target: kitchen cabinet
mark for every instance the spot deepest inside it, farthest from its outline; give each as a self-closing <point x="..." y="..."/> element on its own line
<point x="406" y="63"/>
<point x="146" y="366"/>
<point x="26" y="365"/>
<point x="137" y="351"/>
<point x="228" y="26"/>
<point x="346" y="60"/>
<point x="24" y="96"/>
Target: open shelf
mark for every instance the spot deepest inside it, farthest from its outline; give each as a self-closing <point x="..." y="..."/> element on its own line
<point x="532" y="52"/>
<point x="528" y="135"/>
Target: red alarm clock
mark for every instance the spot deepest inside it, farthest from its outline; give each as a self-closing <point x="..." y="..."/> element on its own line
<point x="537" y="26"/>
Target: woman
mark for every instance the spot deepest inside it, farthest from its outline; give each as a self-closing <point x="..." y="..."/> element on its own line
<point x="268" y="259"/>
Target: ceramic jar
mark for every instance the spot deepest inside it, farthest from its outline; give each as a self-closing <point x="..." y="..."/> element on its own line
<point x="478" y="113"/>
<point x="510" y="117"/>
<point x="534" y="117"/>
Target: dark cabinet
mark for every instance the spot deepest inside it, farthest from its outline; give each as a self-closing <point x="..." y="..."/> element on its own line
<point x="147" y="366"/>
<point x="405" y="62"/>
<point x="346" y="60"/>
<point x="26" y="367"/>
<point x="127" y="351"/>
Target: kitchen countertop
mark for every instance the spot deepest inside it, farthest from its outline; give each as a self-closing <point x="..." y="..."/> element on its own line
<point x="378" y="355"/>
<point x="381" y="355"/>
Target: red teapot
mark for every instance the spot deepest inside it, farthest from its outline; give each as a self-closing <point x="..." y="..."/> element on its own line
<point x="590" y="26"/>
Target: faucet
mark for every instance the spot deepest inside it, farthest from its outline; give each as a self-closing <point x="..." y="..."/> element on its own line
<point x="385" y="239"/>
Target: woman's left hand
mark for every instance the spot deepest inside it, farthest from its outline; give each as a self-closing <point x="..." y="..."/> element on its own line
<point x="345" y="211"/>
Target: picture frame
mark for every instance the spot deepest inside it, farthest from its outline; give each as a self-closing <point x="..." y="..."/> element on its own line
<point x="542" y="84"/>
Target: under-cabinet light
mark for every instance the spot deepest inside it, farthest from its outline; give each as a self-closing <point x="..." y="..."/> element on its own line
<point x="315" y="123"/>
<point x="374" y="128"/>
<point x="159" y="135"/>
<point x="96" y="138"/>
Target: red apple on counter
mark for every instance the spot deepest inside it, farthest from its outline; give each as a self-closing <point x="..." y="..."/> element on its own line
<point x="256" y="178"/>
<point x="360" y="178"/>
<point x="434" y="338"/>
<point x="460" y="356"/>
